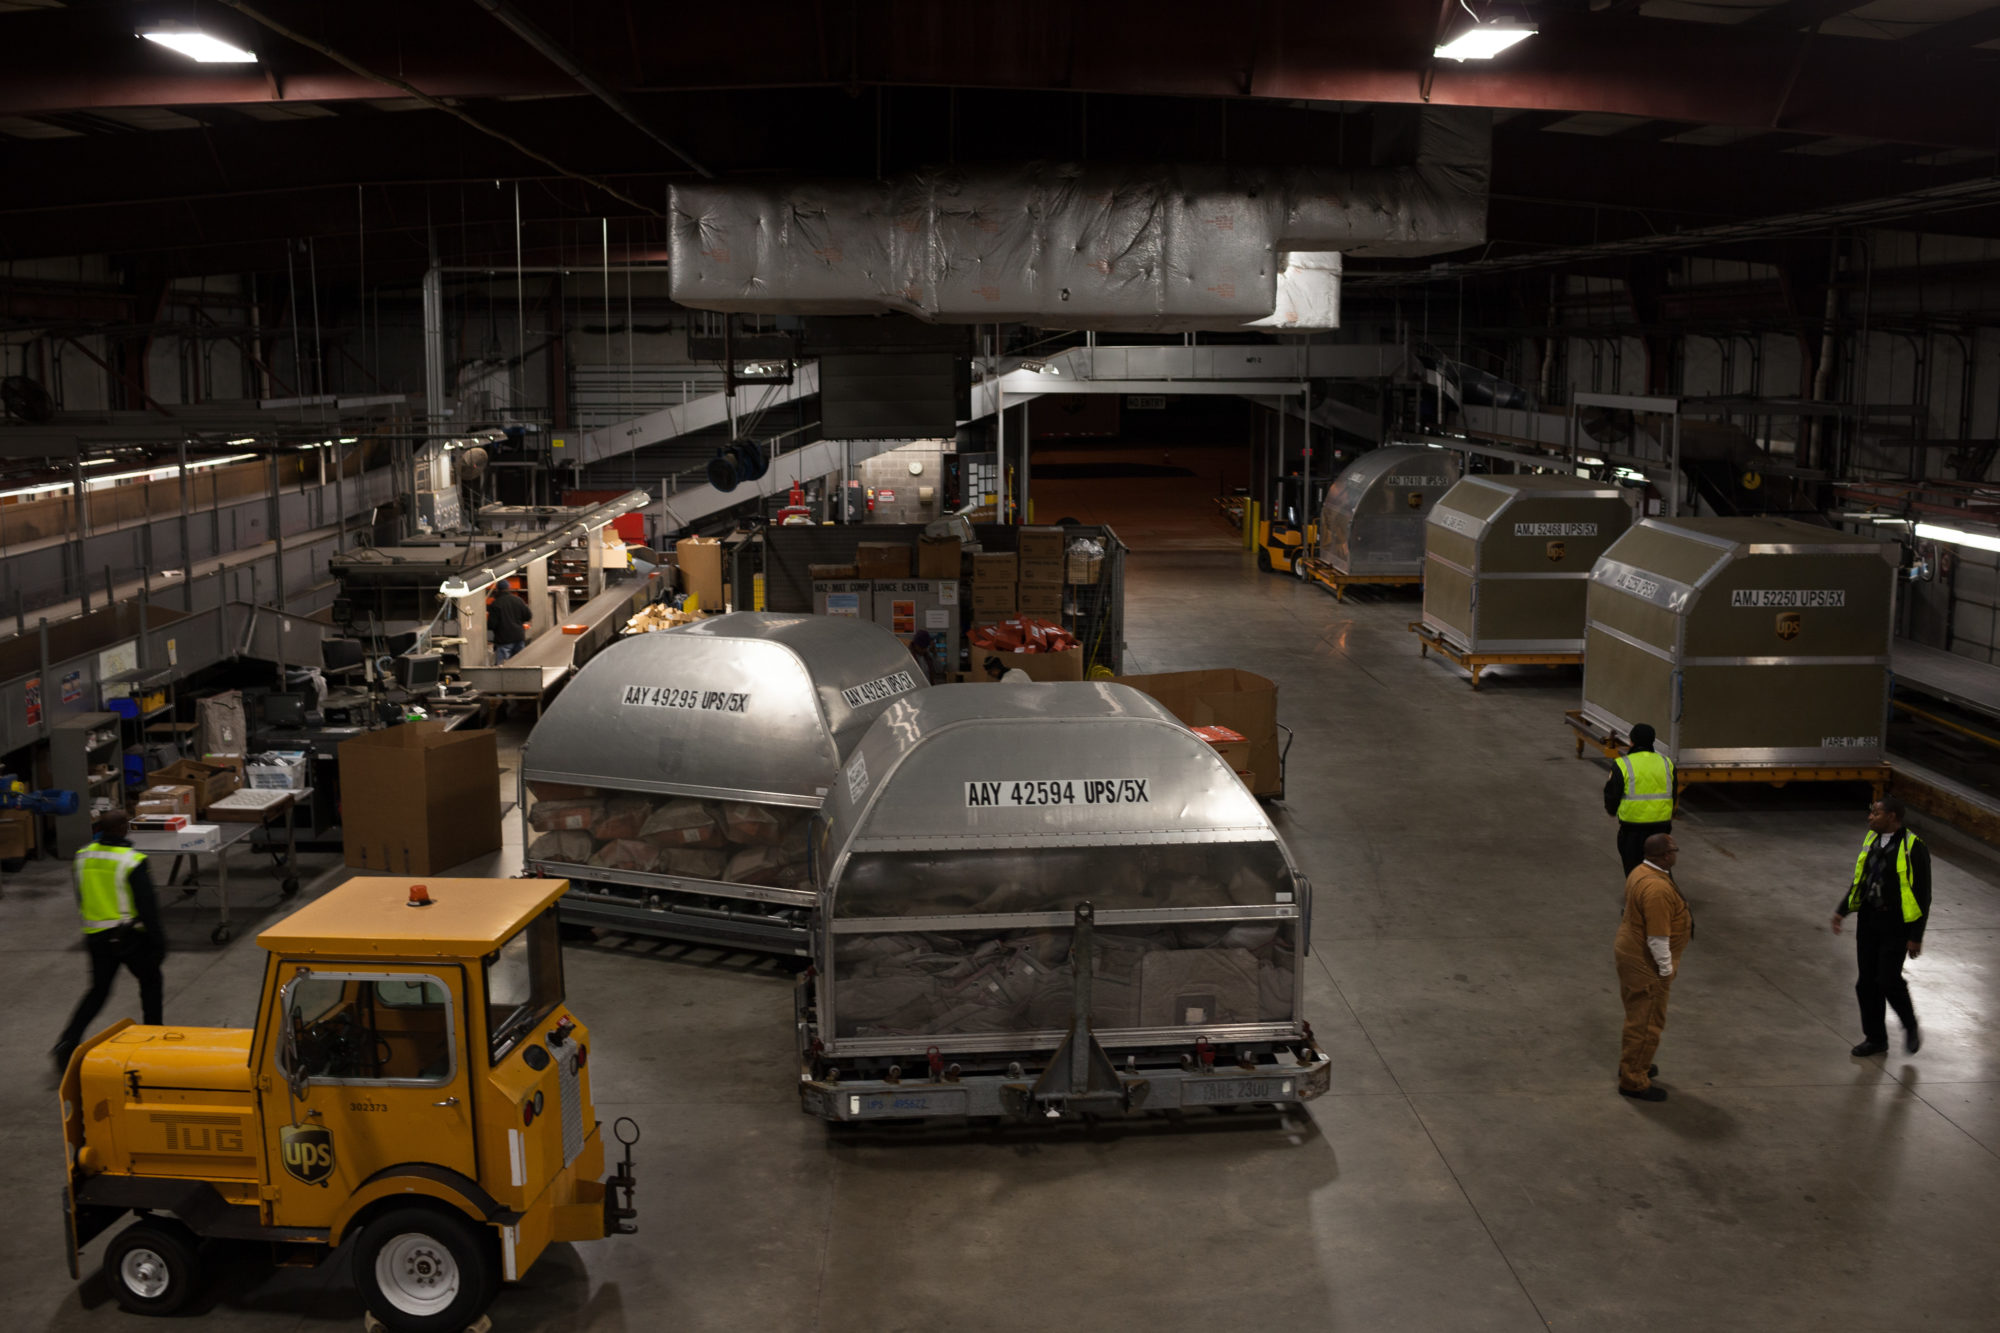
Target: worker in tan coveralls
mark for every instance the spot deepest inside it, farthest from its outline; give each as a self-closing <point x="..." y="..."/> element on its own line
<point x="1656" y="927"/>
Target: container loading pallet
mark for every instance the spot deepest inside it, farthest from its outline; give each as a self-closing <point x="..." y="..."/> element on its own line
<point x="1429" y="641"/>
<point x="1318" y="571"/>
<point x="1610" y="744"/>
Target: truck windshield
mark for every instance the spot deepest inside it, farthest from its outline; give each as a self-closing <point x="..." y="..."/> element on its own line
<point x="523" y="982"/>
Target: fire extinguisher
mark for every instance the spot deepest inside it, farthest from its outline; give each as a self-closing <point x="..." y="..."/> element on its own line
<point x="871" y="499"/>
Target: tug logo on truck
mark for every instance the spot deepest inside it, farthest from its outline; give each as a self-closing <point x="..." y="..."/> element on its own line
<point x="308" y="1152"/>
<point x="193" y="1132"/>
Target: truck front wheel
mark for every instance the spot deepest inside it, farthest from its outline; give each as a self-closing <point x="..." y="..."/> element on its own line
<point x="423" y="1270"/>
<point x="153" y="1265"/>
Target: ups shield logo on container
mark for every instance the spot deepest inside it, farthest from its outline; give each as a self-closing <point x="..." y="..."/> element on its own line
<point x="1557" y="551"/>
<point x="308" y="1152"/>
<point x="1789" y="625"/>
<point x="1415" y="499"/>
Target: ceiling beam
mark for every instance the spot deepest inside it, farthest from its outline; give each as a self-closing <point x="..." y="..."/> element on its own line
<point x="1796" y="14"/>
<point x="1304" y="49"/>
<point x="1968" y="30"/>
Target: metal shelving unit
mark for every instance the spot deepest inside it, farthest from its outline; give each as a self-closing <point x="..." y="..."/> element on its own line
<point x="80" y="745"/>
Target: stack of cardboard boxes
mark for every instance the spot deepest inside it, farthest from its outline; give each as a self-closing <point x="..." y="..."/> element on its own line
<point x="996" y="577"/>
<point x="1040" y="591"/>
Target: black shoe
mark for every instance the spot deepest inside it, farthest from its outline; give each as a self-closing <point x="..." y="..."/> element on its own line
<point x="1870" y="1048"/>
<point x="1644" y="1094"/>
<point x="1913" y="1040"/>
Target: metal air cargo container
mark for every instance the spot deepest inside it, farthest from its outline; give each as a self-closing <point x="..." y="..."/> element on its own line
<point x="673" y="780"/>
<point x="1748" y="643"/>
<point x="1049" y="901"/>
<point x="1373" y="519"/>
<point x="1507" y="561"/>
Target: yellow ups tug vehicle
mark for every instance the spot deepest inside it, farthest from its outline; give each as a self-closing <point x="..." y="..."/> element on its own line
<point x="414" y="1082"/>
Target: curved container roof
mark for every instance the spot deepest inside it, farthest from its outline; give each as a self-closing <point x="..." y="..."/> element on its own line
<point x="752" y="706"/>
<point x="1507" y="559"/>
<point x="1373" y="519"/>
<point x="1074" y="764"/>
<point x="1744" y="641"/>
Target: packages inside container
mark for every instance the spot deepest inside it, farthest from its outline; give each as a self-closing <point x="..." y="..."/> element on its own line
<point x="1056" y="879"/>
<point x="962" y="983"/>
<point x="735" y="842"/>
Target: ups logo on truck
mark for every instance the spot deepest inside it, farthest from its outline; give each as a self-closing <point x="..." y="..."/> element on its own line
<point x="308" y="1152"/>
<point x="1557" y="551"/>
<point x="1789" y="625"/>
<point x="1416" y="499"/>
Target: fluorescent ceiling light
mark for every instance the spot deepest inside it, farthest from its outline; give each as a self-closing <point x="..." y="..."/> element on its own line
<point x="1484" y="41"/>
<point x="201" y="47"/>
<point x="1977" y="540"/>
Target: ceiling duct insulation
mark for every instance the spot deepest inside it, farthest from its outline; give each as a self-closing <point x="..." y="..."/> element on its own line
<point x="1085" y="246"/>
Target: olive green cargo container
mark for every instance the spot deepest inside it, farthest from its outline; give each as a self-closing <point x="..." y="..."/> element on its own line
<point x="1745" y="641"/>
<point x="1373" y="519"/>
<point x="1507" y="560"/>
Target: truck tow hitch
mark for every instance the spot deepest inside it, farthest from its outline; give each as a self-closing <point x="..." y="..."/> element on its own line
<point x="618" y="1214"/>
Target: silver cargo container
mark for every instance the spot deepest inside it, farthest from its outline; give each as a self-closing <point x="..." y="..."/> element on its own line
<point x="1373" y="519"/>
<point x="1746" y="642"/>
<point x="979" y="845"/>
<point x="673" y="780"/>
<point x="1507" y="560"/>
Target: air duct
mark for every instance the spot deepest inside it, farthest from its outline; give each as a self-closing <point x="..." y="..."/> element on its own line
<point x="1086" y="246"/>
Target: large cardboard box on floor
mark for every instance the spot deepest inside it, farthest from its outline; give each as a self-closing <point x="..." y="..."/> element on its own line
<point x="418" y="799"/>
<point x="700" y="560"/>
<point x="1065" y="665"/>
<point x="17" y="834"/>
<point x="1243" y="701"/>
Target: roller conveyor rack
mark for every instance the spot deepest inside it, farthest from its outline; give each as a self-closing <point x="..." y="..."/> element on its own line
<point x="1611" y="744"/>
<point x="1430" y="640"/>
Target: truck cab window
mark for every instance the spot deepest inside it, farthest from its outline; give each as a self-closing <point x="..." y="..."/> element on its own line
<point x="368" y="1028"/>
<point x="523" y="982"/>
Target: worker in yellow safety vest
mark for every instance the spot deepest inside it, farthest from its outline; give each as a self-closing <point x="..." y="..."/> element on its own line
<point x="121" y="927"/>
<point x="1890" y="898"/>
<point x="1640" y="796"/>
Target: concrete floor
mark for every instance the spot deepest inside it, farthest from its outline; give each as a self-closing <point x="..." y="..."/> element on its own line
<point x="1472" y="1169"/>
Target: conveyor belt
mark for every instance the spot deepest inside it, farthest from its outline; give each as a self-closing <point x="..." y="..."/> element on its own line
<point x="1947" y="676"/>
<point x="551" y="655"/>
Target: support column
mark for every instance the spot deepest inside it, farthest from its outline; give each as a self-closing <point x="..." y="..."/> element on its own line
<point x="540" y="610"/>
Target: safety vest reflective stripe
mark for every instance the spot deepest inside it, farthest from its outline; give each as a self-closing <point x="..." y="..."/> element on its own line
<point x="104" y="886"/>
<point x="1904" y="875"/>
<point x="1649" y="785"/>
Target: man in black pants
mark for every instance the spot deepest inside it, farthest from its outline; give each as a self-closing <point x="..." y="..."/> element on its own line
<point x="507" y="617"/>
<point x="1892" y="894"/>
<point x="121" y="928"/>
<point x="1639" y="794"/>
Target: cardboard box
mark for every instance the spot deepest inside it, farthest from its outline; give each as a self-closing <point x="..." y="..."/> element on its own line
<point x="1040" y="599"/>
<point x="906" y="607"/>
<point x="212" y="778"/>
<point x="166" y="799"/>
<point x="199" y="838"/>
<point x="1045" y="543"/>
<point x="1065" y="665"/>
<point x="700" y="560"/>
<point x="1085" y="569"/>
<point x="162" y="822"/>
<point x="17" y="834"/>
<point x="833" y="573"/>
<point x="854" y="598"/>
<point x="280" y="771"/>
<point x="938" y="557"/>
<point x="1233" y="747"/>
<point x="1042" y="571"/>
<point x="995" y="568"/>
<point x="417" y="799"/>
<point x="990" y="604"/>
<point x="1240" y="700"/>
<point x="882" y="560"/>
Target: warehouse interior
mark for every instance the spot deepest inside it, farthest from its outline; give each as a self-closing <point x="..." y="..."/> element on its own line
<point x="985" y="646"/>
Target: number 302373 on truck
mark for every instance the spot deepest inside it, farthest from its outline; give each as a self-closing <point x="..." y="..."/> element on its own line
<point x="414" y="1083"/>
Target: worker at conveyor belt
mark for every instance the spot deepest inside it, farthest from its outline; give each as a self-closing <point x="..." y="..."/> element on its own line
<point x="1639" y="794"/>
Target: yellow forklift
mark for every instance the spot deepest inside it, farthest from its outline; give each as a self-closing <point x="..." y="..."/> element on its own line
<point x="1286" y="528"/>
